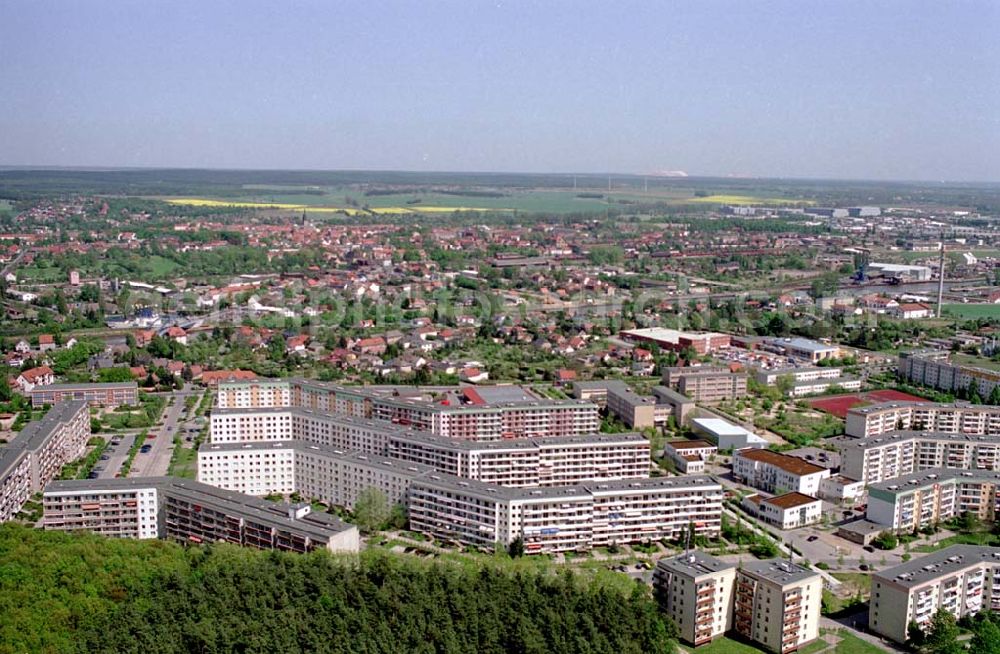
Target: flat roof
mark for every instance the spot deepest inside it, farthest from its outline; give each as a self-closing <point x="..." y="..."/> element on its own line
<point x="721" y="427"/>
<point x="694" y="564"/>
<point x="804" y="344"/>
<point x="941" y="563"/>
<point x="273" y="513"/>
<point x="924" y="478"/>
<point x="96" y="386"/>
<point x="900" y="436"/>
<point x="689" y="445"/>
<point x="778" y="570"/>
<point x="356" y="457"/>
<point x="37" y="432"/>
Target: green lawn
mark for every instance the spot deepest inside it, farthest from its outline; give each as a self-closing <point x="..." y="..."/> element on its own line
<point x="726" y="646"/>
<point x="971" y="311"/>
<point x="979" y="538"/>
<point x="851" y="644"/>
<point x="183" y="462"/>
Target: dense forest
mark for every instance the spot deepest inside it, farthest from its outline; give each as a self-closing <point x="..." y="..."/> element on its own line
<point x="78" y="593"/>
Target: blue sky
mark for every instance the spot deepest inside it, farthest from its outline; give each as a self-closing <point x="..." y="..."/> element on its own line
<point x="881" y="90"/>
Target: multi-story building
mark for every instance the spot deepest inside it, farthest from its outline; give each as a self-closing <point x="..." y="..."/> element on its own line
<point x="897" y="453"/>
<point x="777" y="604"/>
<point x="696" y="591"/>
<point x="962" y="579"/>
<point x="706" y="383"/>
<point x="189" y="511"/>
<point x="933" y="368"/>
<point x="777" y="473"/>
<point x="531" y="461"/>
<point x="925" y="498"/>
<point x="636" y="411"/>
<point x="564" y="518"/>
<point x="282" y="424"/>
<point x="953" y="417"/>
<point x="672" y="339"/>
<point x="787" y="511"/>
<point x="482" y="414"/>
<point x="34" y="457"/>
<point x="111" y="394"/>
<point x="318" y="472"/>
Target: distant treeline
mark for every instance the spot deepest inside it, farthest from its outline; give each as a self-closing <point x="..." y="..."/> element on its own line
<point x="66" y="593"/>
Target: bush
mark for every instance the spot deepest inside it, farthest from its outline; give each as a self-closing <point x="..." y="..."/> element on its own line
<point x="886" y="541"/>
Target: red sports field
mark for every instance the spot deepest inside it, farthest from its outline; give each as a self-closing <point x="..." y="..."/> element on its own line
<point x="838" y="405"/>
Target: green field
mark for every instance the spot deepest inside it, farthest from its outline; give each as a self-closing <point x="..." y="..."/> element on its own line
<point x="971" y="311"/>
<point x="152" y="267"/>
<point x="532" y="200"/>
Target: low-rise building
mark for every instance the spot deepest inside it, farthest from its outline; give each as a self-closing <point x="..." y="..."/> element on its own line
<point x="961" y="579"/>
<point x="777" y="473"/>
<point x="111" y="394"/>
<point x="726" y="435"/>
<point x="771" y="376"/>
<point x="825" y="385"/>
<point x="841" y="489"/>
<point x="689" y="456"/>
<point x="788" y="511"/>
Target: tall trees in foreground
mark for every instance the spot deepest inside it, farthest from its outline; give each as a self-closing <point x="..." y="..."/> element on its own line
<point x="66" y="593"/>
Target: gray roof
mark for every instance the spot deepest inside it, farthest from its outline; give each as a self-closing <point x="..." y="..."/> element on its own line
<point x="905" y="435"/>
<point x="694" y="564"/>
<point x="315" y="525"/>
<point x="514" y="444"/>
<point x="36" y="433"/>
<point x="375" y="461"/>
<point x="96" y="386"/>
<point x="942" y="563"/>
<point x="924" y="478"/>
<point x="778" y="570"/>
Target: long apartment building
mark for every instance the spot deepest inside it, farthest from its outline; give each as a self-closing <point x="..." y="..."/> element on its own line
<point x="510" y="462"/>
<point x="898" y="453"/>
<point x="482" y="414"/>
<point x="774" y="603"/>
<point x="706" y="383"/>
<point x="530" y="461"/>
<point x="564" y="518"/>
<point x="777" y="473"/>
<point x="933" y="368"/>
<point x="34" y="457"/>
<point x="952" y="417"/>
<point x="962" y="579"/>
<point x="110" y="394"/>
<point x="191" y="512"/>
<point x="924" y="498"/>
<point x="320" y="472"/>
<point x="777" y="604"/>
<point x="286" y="423"/>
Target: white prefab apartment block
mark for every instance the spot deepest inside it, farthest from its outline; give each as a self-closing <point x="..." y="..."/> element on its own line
<point x="564" y="518"/>
<point x="925" y="498"/>
<point x="35" y="456"/>
<point x="899" y="453"/>
<point x="531" y="461"/>
<point x="777" y="604"/>
<point x="776" y="473"/>
<point x="696" y="590"/>
<point x="962" y="579"/>
<point x="952" y="418"/>
<point x="113" y="510"/>
<point x="480" y="414"/>
<point x="191" y="512"/>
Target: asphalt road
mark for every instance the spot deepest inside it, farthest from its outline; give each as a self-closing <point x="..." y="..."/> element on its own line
<point x="156" y="462"/>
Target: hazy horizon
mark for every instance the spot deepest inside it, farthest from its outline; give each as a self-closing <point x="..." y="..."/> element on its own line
<point x="851" y="91"/>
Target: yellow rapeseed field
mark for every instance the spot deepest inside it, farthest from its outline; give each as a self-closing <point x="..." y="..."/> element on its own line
<point x="206" y="202"/>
